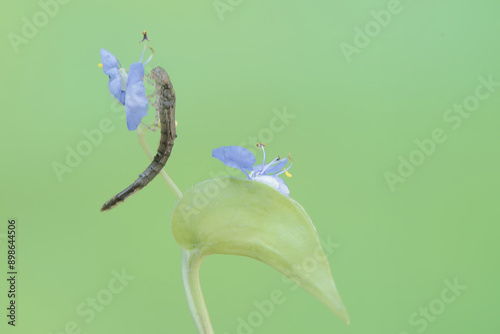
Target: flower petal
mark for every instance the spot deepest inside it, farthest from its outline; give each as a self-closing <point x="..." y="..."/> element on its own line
<point x="110" y="66"/>
<point x="234" y="156"/>
<point x="273" y="181"/>
<point x="115" y="87"/>
<point x="272" y="169"/>
<point x="136" y="102"/>
<point x="282" y="188"/>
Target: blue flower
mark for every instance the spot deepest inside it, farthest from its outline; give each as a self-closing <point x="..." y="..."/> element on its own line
<point x="241" y="158"/>
<point x="128" y="89"/>
<point x="136" y="102"/>
<point x="117" y="75"/>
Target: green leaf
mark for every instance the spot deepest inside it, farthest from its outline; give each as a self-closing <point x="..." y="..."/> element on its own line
<point x="248" y="218"/>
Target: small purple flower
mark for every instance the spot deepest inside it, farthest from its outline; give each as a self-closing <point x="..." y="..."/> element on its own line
<point x="136" y="102"/>
<point x="128" y="89"/>
<point x="117" y="75"/>
<point x="241" y="158"/>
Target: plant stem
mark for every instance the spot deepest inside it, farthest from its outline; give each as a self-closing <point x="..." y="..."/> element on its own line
<point x="191" y="261"/>
<point x="141" y="136"/>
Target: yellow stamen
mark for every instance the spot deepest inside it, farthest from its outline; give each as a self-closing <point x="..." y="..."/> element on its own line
<point x="288" y="174"/>
<point x="100" y="65"/>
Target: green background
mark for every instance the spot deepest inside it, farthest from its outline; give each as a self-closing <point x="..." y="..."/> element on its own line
<point x="353" y="120"/>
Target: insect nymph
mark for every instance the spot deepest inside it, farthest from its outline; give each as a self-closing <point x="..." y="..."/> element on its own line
<point x="129" y="91"/>
<point x="165" y="108"/>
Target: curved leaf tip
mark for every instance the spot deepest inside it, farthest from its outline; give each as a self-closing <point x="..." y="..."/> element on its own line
<point x="248" y="218"/>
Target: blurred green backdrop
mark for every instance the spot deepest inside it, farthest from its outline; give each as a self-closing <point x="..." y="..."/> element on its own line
<point x="363" y="81"/>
